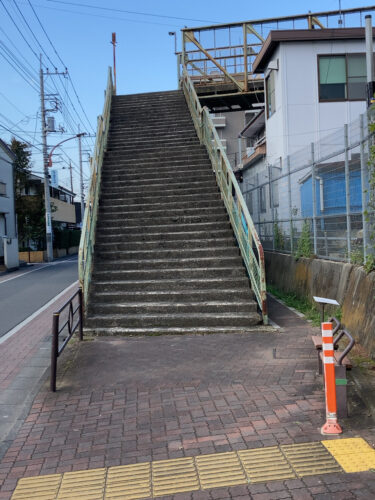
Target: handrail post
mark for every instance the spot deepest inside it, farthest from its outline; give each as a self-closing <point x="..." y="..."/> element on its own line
<point x="80" y="298"/>
<point x="54" y="350"/>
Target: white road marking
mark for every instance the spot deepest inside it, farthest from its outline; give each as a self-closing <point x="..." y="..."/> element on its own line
<point x="35" y="314"/>
<point x="42" y="266"/>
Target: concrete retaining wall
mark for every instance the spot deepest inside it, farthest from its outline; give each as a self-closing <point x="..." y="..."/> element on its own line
<point x="348" y="284"/>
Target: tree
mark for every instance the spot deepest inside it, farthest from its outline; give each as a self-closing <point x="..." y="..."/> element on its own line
<point x="29" y="208"/>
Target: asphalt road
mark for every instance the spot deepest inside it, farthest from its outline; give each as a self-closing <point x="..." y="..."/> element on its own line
<point x="24" y="292"/>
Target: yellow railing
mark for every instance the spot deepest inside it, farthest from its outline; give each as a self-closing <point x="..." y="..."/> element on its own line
<point x="86" y="245"/>
<point x="242" y="224"/>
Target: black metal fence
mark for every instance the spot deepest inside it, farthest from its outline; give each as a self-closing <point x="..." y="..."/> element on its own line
<point x="64" y="324"/>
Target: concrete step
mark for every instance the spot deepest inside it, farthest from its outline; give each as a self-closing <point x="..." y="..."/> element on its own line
<point x="156" y="308"/>
<point x="170" y="202"/>
<point x="163" y="228"/>
<point x="148" y="167"/>
<point x="124" y="331"/>
<point x="157" y="178"/>
<point x="165" y="157"/>
<point x="109" y="223"/>
<point x="173" y="186"/>
<point x="178" y="254"/>
<point x="155" y="146"/>
<point x="152" y="264"/>
<point x="131" y="135"/>
<point x="244" y="319"/>
<point x="136" y="164"/>
<point x="144" y="130"/>
<point x="120" y="123"/>
<point x="156" y="209"/>
<point x="180" y="237"/>
<point x="149" y="116"/>
<point x="173" y="296"/>
<point x="116" y="246"/>
<point x="165" y="154"/>
<point x="165" y="274"/>
<point x="170" y="284"/>
<point x="142" y="213"/>
<point x="128" y="194"/>
<point x="139" y="175"/>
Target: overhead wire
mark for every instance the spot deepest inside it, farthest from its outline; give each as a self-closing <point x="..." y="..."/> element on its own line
<point x="33" y="34"/>
<point x="64" y="65"/>
<point x="164" y="16"/>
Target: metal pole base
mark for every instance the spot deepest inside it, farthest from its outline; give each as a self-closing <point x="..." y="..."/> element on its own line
<point x="331" y="427"/>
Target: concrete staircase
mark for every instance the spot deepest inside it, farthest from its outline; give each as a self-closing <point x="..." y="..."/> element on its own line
<point x="166" y="260"/>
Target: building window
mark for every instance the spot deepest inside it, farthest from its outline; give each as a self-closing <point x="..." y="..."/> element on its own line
<point x="342" y="77"/>
<point x="3" y="189"/>
<point x="270" y="94"/>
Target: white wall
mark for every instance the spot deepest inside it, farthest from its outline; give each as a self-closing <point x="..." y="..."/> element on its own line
<point x="300" y="118"/>
<point x="7" y="202"/>
<point x="9" y="245"/>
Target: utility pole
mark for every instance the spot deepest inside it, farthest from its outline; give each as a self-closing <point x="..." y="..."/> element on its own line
<point x="79" y="135"/>
<point x="47" y="201"/>
<point x="71" y="176"/>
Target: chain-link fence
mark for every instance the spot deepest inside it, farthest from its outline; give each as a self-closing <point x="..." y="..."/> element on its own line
<point x="316" y="201"/>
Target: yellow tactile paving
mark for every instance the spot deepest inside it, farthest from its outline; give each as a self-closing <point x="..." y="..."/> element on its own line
<point x="40" y="487"/>
<point x="353" y="454"/>
<point x="174" y="476"/>
<point x="85" y="485"/>
<point x="308" y="459"/>
<point x="222" y="469"/>
<point x="265" y="464"/>
<point x="128" y="482"/>
<point x="167" y="477"/>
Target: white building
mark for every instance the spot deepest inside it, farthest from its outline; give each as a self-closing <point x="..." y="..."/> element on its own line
<point x="315" y="82"/>
<point x="8" y="225"/>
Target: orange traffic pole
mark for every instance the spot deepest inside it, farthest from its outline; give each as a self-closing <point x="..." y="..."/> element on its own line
<point x="331" y="426"/>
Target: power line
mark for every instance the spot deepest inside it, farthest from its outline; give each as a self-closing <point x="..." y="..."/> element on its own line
<point x="44" y="31"/>
<point x="87" y="6"/>
<point x="20" y="72"/>
<point x="101" y="16"/>
<point x="19" y="31"/>
<point x="33" y="34"/>
<point x="35" y="54"/>
<point x="62" y="62"/>
<point x="19" y="137"/>
<point x="12" y="104"/>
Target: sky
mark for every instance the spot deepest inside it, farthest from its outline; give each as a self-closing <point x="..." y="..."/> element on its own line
<point x="76" y="34"/>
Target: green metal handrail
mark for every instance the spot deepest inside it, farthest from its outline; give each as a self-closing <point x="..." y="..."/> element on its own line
<point x="87" y="242"/>
<point x="242" y="224"/>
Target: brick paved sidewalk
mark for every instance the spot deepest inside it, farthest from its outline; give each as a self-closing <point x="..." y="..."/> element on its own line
<point x="24" y="358"/>
<point x="130" y="400"/>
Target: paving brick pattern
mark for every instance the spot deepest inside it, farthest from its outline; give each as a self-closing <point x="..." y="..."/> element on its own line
<point x="16" y="350"/>
<point x="130" y="400"/>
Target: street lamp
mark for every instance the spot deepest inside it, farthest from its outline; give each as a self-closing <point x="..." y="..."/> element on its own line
<point x="59" y="144"/>
<point x="49" y="164"/>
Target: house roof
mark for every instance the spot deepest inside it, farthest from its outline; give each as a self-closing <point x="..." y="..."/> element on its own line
<point x="38" y="178"/>
<point x="283" y="36"/>
<point x="4" y="146"/>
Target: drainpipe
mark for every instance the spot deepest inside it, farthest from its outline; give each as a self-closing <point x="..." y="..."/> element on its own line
<point x="240" y="150"/>
<point x="369" y="62"/>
